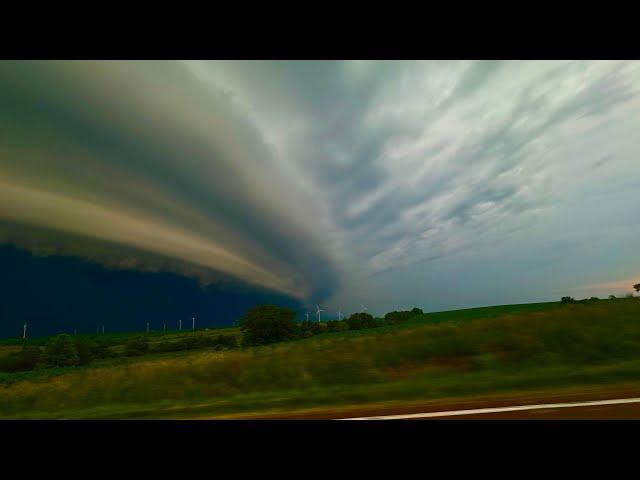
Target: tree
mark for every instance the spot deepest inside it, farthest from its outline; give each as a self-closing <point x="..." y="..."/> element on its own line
<point x="266" y="324"/>
<point x="636" y="287"/>
<point x="395" y="317"/>
<point x="61" y="351"/>
<point x="360" y="320"/>
<point x="567" y="300"/>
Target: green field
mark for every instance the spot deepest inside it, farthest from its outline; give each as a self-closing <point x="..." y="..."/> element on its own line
<point x="435" y="355"/>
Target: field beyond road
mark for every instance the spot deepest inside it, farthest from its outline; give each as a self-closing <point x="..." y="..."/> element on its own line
<point x="487" y="356"/>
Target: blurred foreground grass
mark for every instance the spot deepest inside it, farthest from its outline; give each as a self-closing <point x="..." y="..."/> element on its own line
<point x="463" y="353"/>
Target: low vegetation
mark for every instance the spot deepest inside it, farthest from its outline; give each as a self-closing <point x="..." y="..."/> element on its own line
<point x="418" y="356"/>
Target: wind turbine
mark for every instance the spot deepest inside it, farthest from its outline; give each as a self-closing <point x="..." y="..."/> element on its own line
<point x="193" y="324"/>
<point x="318" y="310"/>
<point x="307" y="314"/>
<point x="24" y="330"/>
<point x="363" y="308"/>
<point x="340" y="313"/>
<point x="180" y="325"/>
<point x="147" y="327"/>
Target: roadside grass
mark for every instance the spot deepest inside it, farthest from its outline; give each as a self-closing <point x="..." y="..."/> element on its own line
<point x="471" y="353"/>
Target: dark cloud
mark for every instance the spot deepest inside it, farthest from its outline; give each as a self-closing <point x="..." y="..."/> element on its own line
<point x="64" y="134"/>
<point x="327" y="174"/>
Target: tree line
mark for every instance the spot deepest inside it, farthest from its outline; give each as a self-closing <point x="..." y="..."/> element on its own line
<point x="267" y="324"/>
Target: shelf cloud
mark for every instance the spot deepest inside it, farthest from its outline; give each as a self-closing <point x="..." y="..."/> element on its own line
<point x="331" y="181"/>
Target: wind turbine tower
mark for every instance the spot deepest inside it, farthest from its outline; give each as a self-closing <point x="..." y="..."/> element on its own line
<point x="340" y="314"/>
<point x="180" y="325"/>
<point x="24" y="331"/>
<point x="193" y="324"/>
<point x="318" y="310"/>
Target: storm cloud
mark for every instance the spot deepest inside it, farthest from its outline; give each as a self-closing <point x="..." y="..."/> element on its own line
<point x="379" y="182"/>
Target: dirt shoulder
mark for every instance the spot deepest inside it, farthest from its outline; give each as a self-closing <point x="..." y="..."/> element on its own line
<point x="574" y="394"/>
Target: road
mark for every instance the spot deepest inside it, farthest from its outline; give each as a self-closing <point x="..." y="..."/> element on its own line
<point x="618" y="401"/>
<point x="619" y="408"/>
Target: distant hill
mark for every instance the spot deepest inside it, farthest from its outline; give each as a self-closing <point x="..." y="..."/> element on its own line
<point x="62" y="293"/>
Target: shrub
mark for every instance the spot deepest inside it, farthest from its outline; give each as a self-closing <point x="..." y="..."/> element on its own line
<point x="165" y="346"/>
<point x="192" y="342"/>
<point x="61" y="351"/>
<point x="226" y="341"/>
<point x="89" y="350"/>
<point x="567" y="300"/>
<point x="136" y="346"/>
<point x="266" y="324"/>
<point x="23" y="361"/>
<point x="310" y="326"/>
<point x="337" y="326"/>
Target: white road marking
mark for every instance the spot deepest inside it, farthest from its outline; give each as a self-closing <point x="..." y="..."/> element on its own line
<point x="476" y="411"/>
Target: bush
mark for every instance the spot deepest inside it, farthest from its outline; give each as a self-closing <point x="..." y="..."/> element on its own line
<point x="25" y="360"/>
<point x="310" y="326"/>
<point x="567" y="300"/>
<point x="192" y="342"/>
<point x="360" y="320"/>
<point x="61" y="351"/>
<point x="266" y="324"/>
<point x="165" y="346"/>
<point x="337" y="326"/>
<point x="89" y="350"/>
<point x="226" y="341"/>
<point x="136" y="347"/>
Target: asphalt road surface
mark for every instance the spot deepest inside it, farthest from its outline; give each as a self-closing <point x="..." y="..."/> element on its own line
<point x="620" y="408"/>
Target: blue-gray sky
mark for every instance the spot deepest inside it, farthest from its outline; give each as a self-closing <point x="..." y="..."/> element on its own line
<point x="440" y="184"/>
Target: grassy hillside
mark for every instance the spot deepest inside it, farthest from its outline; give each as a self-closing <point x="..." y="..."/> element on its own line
<point x="465" y="352"/>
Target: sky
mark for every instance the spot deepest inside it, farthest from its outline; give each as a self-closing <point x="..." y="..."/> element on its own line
<point x="393" y="184"/>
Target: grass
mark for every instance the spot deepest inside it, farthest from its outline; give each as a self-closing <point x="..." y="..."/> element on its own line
<point x="459" y="353"/>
